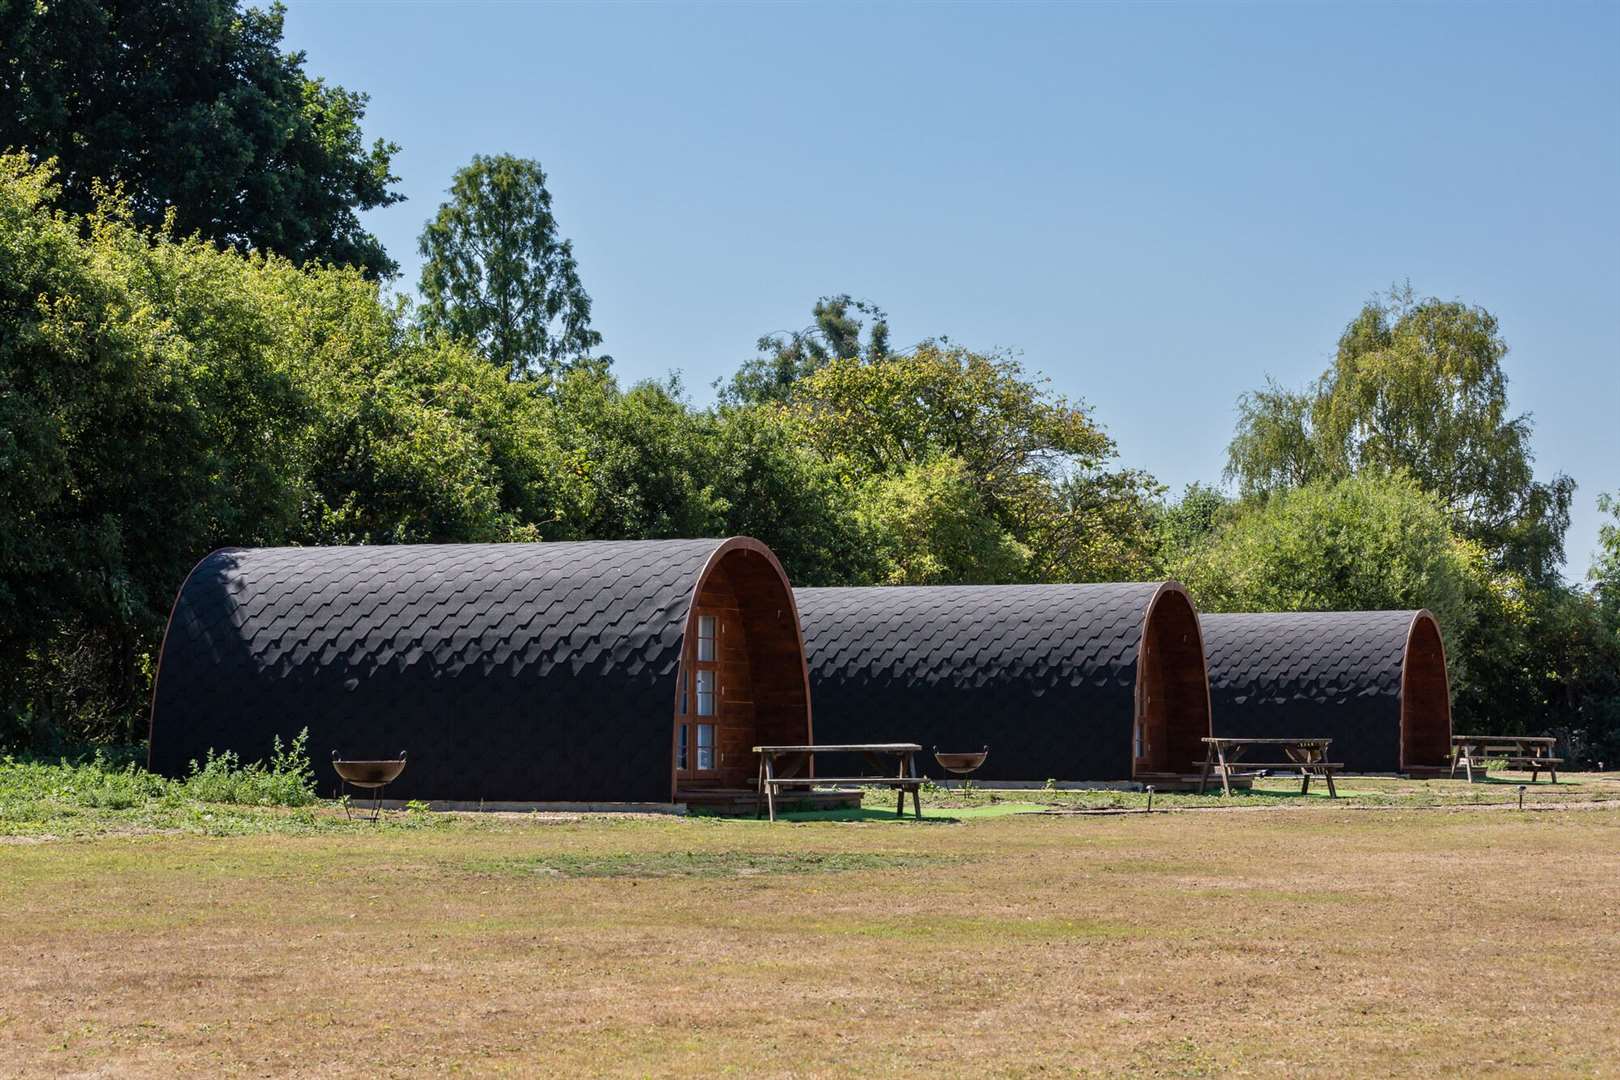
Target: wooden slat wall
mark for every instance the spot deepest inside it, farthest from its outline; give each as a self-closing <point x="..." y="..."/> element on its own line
<point x="1174" y="685"/>
<point x="1425" y="699"/>
<point x="734" y="720"/>
<point x="762" y="689"/>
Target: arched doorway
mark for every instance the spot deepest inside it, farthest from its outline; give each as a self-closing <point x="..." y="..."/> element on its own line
<point x="742" y="680"/>
<point x="1425" y="697"/>
<point x="1172" y="688"/>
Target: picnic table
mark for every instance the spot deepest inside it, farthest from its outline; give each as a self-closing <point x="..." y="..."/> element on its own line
<point x="1526" y="751"/>
<point x="902" y="775"/>
<point x="1308" y="756"/>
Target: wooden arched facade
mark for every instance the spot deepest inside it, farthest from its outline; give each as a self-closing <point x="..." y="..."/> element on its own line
<point x="742" y="680"/>
<point x="509" y="672"/>
<point x="1374" y="682"/>
<point x="1063" y="682"/>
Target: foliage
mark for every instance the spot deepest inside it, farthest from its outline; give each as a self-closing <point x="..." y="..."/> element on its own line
<point x="1605" y="571"/>
<point x="1182" y="527"/>
<point x="640" y="455"/>
<point x="160" y="398"/>
<point x="785" y="357"/>
<point x="127" y="447"/>
<point x="1362" y="543"/>
<point x="285" y="780"/>
<point x="95" y="796"/>
<point x="930" y="526"/>
<point x="1418" y="386"/>
<point x="768" y="485"/>
<point x="194" y="108"/>
<point x="98" y="784"/>
<point x="497" y="274"/>
<point x="1028" y="461"/>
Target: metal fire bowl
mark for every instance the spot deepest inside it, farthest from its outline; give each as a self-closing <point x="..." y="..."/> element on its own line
<point x="961" y="764"/>
<point x="367" y="774"/>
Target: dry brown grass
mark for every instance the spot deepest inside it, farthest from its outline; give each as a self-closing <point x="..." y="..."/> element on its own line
<point x="1306" y="942"/>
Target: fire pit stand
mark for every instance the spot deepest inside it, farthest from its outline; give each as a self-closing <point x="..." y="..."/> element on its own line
<point x="374" y="776"/>
<point x="962" y="765"/>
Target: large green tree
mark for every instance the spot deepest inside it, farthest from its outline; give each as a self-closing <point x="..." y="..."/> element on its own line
<point x="1361" y="543"/>
<point x="1416" y="385"/>
<point x="195" y="109"/>
<point x="1033" y="463"/>
<point x="785" y="357"/>
<point x="499" y="274"/>
<point x="161" y="397"/>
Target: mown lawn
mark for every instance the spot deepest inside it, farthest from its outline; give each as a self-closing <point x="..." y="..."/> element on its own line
<point x="1309" y="940"/>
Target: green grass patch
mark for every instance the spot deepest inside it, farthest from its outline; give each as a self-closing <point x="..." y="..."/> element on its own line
<point x="220" y="796"/>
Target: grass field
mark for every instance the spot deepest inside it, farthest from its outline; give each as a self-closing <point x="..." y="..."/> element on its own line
<point x="1399" y="932"/>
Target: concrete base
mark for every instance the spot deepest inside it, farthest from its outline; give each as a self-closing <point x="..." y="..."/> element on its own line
<point x="360" y="802"/>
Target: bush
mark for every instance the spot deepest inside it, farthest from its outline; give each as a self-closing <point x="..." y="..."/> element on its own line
<point x="286" y="780"/>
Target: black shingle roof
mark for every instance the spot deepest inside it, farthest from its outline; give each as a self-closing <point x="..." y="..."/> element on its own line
<point x="1330" y="674"/>
<point x="1044" y="674"/>
<point x="508" y="671"/>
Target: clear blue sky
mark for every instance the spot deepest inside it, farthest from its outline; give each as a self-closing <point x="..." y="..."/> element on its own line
<point x="1158" y="205"/>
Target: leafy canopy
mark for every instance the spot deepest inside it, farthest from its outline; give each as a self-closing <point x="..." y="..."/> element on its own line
<point x="1362" y="543"/>
<point x="1605" y="570"/>
<point x="1416" y="386"/>
<point x="786" y="357"/>
<point x="1031" y="463"/>
<point x="192" y="106"/>
<point x="160" y="398"/>
<point x="498" y="274"/>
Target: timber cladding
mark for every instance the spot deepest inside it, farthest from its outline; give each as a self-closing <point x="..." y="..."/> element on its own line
<point x="1064" y="682"/>
<point x="508" y="672"/>
<point x="1374" y="682"/>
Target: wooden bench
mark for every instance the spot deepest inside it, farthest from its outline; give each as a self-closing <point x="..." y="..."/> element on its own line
<point x="1308" y="757"/>
<point x="1533" y="752"/>
<point x="903" y="779"/>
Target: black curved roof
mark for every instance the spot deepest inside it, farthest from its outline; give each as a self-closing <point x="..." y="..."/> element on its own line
<point x="1329" y="674"/>
<point x="1034" y="671"/>
<point x="507" y="671"/>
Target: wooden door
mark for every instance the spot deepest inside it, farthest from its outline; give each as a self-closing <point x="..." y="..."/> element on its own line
<point x="697" y="712"/>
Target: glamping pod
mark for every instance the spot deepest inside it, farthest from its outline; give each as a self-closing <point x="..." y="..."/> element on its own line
<point x="1372" y="681"/>
<point x="1064" y="682"/>
<point x="602" y="671"/>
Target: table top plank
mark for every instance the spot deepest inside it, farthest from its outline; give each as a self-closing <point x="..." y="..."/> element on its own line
<point x="1228" y="741"/>
<point x="843" y="748"/>
<point x="1471" y="740"/>
<point x="875" y="781"/>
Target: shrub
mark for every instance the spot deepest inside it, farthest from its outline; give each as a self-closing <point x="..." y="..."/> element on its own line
<point x="286" y="780"/>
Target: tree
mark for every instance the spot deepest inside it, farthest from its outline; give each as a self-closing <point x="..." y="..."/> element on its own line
<point x="1361" y="543"/>
<point x="1416" y="386"/>
<point x="127" y="449"/>
<point x="768" y="485"/>
<point x="786" y="357"/>
<point x="1605" y="572"/>
<point x="1035" y="462"/>
<point x="1184" y="526"/>
<point x="497" y="273"/>
<point x="160" y="398"/>
<point x="1275" y="446"/>
<point x="929" y="526"/>
<point x="194" y="109"/>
